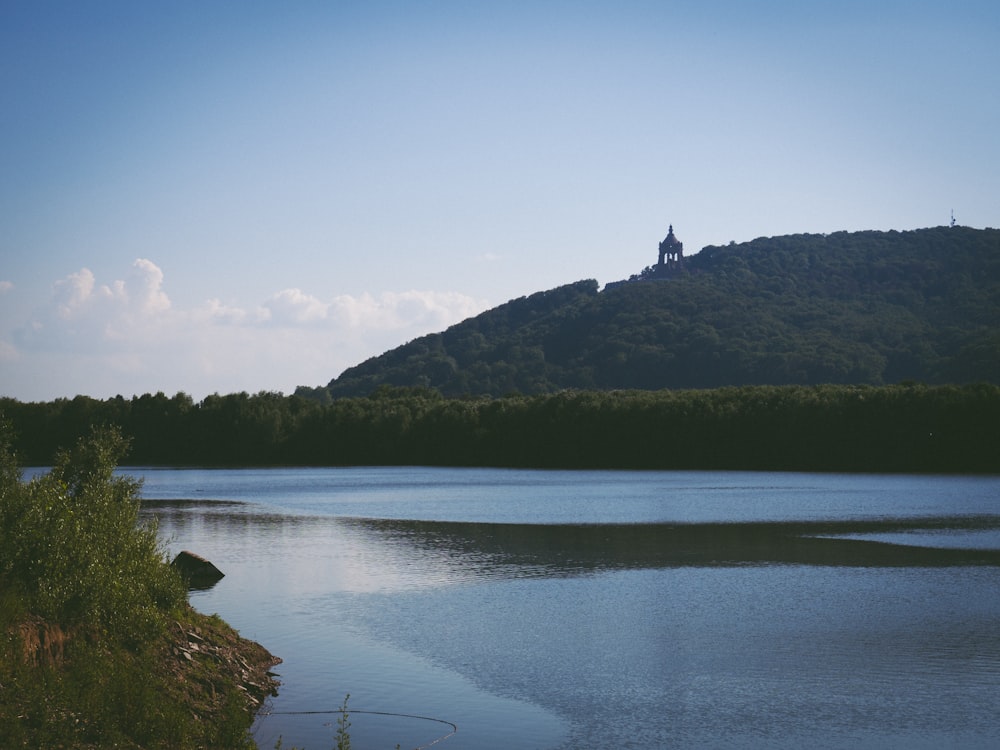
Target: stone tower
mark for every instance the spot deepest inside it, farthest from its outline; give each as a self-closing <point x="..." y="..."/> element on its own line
<point x="671" y="252"/>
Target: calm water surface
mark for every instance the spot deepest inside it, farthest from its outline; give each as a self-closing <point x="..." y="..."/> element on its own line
<point x="558" y="610"/>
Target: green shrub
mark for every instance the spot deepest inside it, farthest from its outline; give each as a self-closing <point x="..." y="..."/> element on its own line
<point x="74" y="546"/>
<point x="90" y="615"/>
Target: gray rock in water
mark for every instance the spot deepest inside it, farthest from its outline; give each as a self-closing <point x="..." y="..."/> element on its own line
<point x="199" y="573"/>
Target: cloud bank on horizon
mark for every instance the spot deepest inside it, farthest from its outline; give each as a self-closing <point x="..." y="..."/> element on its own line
<point x="214" y="197"/>
<point x="125" y="337"/>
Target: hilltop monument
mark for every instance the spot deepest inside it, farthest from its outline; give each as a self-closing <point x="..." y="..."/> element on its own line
<point x="669" y="264"/>
<point x="671" y="252"/>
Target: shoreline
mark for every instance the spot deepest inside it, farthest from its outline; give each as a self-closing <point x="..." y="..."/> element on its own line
<point x="211" y="664"/>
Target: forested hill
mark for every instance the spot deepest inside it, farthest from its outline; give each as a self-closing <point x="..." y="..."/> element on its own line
<point x="862" y="308"/>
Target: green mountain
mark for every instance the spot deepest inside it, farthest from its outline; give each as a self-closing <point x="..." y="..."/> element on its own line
<point x="864" y="307"/>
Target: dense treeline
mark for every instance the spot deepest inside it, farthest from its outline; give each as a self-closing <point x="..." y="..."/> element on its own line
<point x="911" y="427"/>
<point x="863" y="307"/>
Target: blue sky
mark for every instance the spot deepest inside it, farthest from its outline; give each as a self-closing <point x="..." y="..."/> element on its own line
<point x="223" y="196"/>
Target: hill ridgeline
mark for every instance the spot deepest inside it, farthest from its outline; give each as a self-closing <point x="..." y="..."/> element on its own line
<point x="844" y="308"/>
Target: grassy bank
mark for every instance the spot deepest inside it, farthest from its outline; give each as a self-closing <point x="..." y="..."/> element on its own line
<point x="99" y="645"/>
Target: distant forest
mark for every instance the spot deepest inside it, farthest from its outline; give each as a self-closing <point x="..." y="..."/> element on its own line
<point x="846" y="308"/>
<point x="897" y="428"/>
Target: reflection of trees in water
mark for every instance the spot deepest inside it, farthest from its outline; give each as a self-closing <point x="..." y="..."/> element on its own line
<point x="223" y="519"/>
<point x="568" y="549"/>
<point x="523" y="550"/>
<point x="229" y="513"/>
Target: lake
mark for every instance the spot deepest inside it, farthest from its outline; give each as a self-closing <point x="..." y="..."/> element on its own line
<point x="558" y="609"/>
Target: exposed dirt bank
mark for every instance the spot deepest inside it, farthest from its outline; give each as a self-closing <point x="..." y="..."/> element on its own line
<point x="198" y="686"/>
<point x="208" y="660"/>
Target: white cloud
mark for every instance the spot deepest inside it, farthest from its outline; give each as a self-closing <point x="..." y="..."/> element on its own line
<point x="6" y="286"/>
<point x="398" y="310"/>
<point x="78" y="297"/>
<point x="83" y="315"/>
<point x="215" y="312"/>
<point x="127" y="337"/>
<point x="144" y="289"/>
<point x="291" y="306"/>
<point x="75" y="293"/>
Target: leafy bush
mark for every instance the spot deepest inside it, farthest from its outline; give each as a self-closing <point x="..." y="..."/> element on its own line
<point x="87" y="659"/>
<point x="74" y="547"/>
